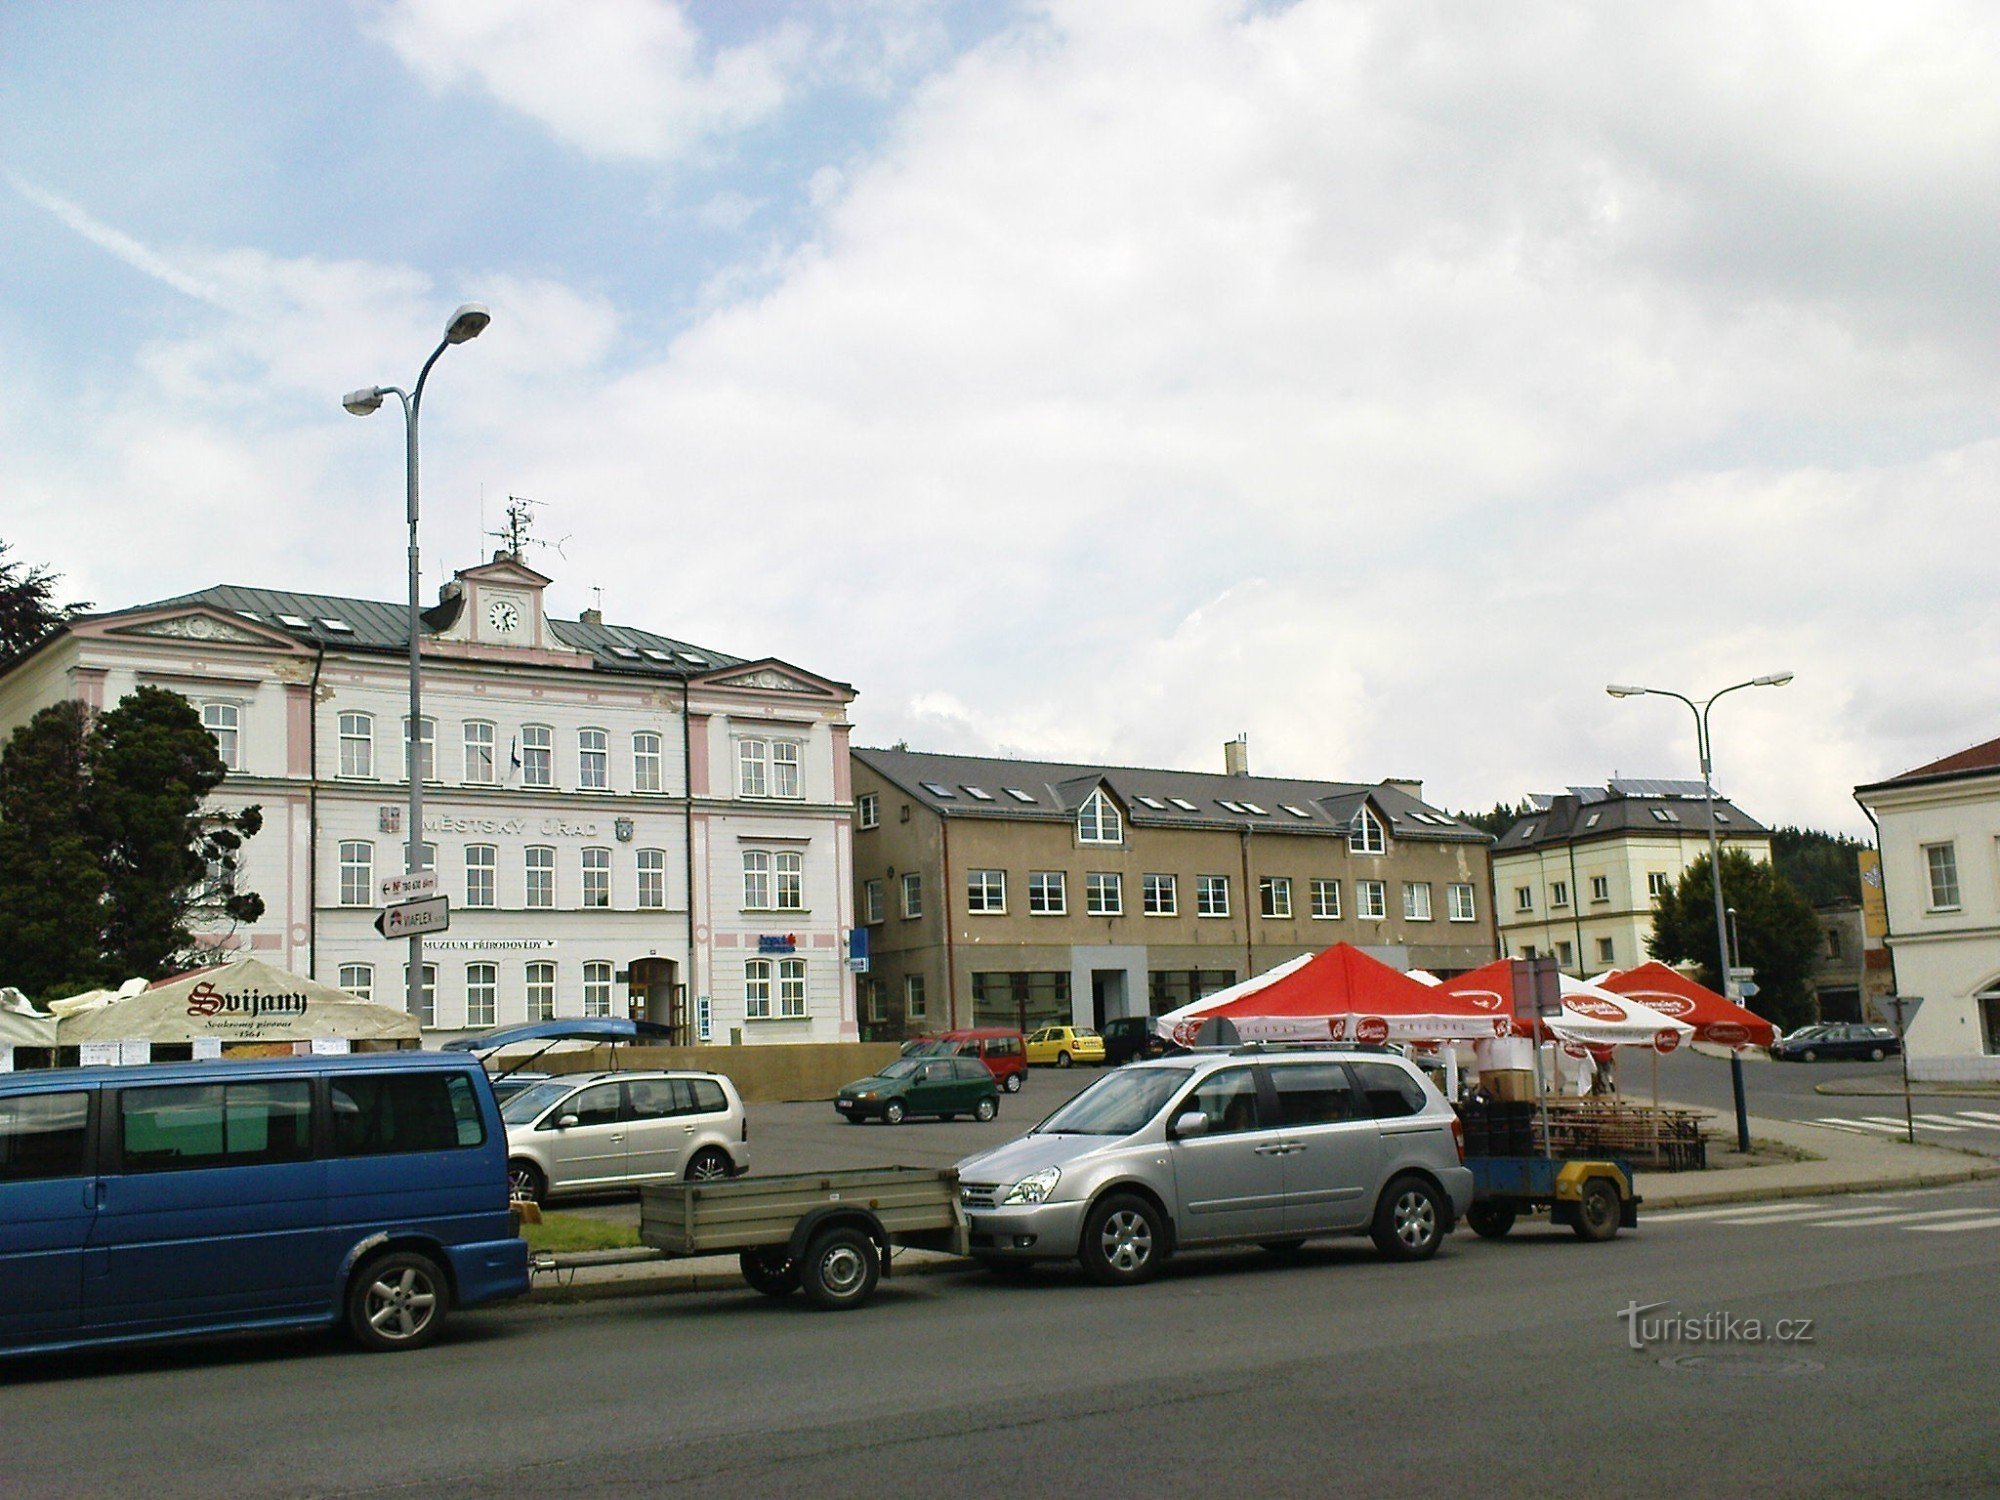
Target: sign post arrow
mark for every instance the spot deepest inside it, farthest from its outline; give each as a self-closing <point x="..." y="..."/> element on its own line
<point x="432" y="914"/>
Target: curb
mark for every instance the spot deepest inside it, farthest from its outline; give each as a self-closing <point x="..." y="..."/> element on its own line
<point x="1917" y="1091"/>
<point x="1909" y="1181"/>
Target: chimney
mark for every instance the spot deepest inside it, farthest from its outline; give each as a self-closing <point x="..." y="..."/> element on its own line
<point x="1236" y="756"/>
<point x="592" y="617"/>
<point x="1413" y="789"/>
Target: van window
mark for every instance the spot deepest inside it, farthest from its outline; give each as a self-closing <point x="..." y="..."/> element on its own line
<point x="1391" y="1093"/>
<point x="43" y="1136"/>
<point x="1228" y="1098"/>
<point x="1316" y="1093"/>
<point x="385" y="1114"/>
<point x="183" y="1126"/>
<point x="708" y="1098"/>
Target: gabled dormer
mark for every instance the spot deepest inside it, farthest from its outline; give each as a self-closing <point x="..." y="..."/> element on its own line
<point x="496" y="604"/>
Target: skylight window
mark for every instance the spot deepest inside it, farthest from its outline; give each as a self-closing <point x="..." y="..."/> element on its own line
<point x="1297" y="812"/>
<point x="248" y="614"/>
<point x="625" y="651"/>
<point x="1253" y="807"/>
<point x="339" y="627"/>
<point x="1183" y="804"/>
<point x="295" y="622"/>
<point x="1154" y="802"/>
<point x="1235" y="807"/>
<point x="938" y="789"/>
<point x="1591" y="821"/>
<point x="691" y="659"/>
<point x="978" y="794"/>
<point x="1666" y="815"/>
<point x="1528" y="832"/>
<point x="1721" y="816"/>
<point x="653" y="653"/>
<point x="1017" y="794"/>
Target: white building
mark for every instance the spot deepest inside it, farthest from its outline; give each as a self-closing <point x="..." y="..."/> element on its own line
<point x="624" y="824"/>
<point x="1938" y="828"/>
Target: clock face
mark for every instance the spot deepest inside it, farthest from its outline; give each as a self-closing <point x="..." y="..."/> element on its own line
<point x="504" y="615"/>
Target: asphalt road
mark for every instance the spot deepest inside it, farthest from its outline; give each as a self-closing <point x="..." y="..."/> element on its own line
<point x="1496" y="1369"/>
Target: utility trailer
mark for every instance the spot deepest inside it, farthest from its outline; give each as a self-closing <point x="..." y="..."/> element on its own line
<point x="1595" y="1198"/>
<point x="828" y="1233"/>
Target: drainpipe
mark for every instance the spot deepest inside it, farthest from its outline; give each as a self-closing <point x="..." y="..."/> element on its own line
<point x="1576" y="907"/>
<point x="312" y="817"/>
<point x="687" y="854"/>
<point x="1249" y="959"/>
<point x="944" y="916"/>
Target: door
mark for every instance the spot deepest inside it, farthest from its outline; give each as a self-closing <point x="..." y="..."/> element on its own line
<point x="1334" y="1160"/>
<point x="971" y="1082"/>
<point x="659" y="1122"/>
<point x="932" y="1090"/>
<point x="593" y="1149"/>
<point x="1231" y="1180"/>
<point x="48" y="1199"/>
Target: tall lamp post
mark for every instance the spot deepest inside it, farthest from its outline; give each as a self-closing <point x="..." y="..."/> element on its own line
<point x="466" y="324"/>
<point x="1702" y="743"/>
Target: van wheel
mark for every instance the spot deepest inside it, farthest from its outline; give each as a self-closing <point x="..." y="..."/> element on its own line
<point x="985" y="1109"/>
<point x="397" y="1301"/>
<point x="1013" y="1083"/>
<point x="525" y="1180"/>
<point x="1409" y="1221"/>
<point x="708" y="1166"/>
<point x="1124" y="1241"/>
<point x="892" y="1112"/>
<point x="841" y="1267"/>
<point x="1063" y="1059"/>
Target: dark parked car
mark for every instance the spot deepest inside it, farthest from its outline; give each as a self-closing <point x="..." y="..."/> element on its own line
<point x="1811" y="1043"/>
<point x="1130" y="1038"/>
<point x="943" y="1086"/>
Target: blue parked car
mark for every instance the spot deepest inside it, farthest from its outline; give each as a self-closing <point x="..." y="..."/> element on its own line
<point x="212" y="1197"/>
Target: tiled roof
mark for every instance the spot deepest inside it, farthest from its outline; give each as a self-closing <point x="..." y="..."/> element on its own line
<point x="1979" y="758"/>
<point x="987" y="787"/>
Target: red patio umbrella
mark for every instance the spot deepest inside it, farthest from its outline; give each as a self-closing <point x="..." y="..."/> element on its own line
<point x="1672" y="993"/>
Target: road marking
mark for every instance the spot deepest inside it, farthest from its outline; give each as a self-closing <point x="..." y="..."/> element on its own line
<point x="1980" y="1114"/>
<point x="1776" y="1210"/>
<point x="1896" y="1218"/>
<point x="1991" y="1222"/>
<point x="1774" y="1216"/>
<point x="1957" y="1122"/>
<point x="1859" y="1127"/>
<point x="1898" y="1124"/>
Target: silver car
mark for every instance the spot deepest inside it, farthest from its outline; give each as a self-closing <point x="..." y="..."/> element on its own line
<point x="591" y="1132"/>
<point x="1252" y="1146"/>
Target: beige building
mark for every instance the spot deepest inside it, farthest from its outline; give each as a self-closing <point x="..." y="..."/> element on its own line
<point x="1577" y="877"/>
<point x="1024" y="893"/>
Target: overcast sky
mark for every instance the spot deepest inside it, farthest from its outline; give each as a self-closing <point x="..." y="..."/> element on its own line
<point x="1085" y="381"/>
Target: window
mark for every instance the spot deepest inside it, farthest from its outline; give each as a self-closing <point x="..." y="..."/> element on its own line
<point x="652" y="878"/>
<point x="1565" y="955"/>
<point x="1315" y="1093"/>
<point x="357" y="744"/>
<point x="223" y="720"/>
<point x="1833" y="942"/>
<point x="1097" y="821"/>
<point x="427" y="999"/>
<point x="868" y="810"/>
<point x="1274" y="895"/>
<point x="1558" y="893"/>
<point x="357" y="873"/>
<point x="791" y="989"/>
<point x="756" y="880"/>
<point x="1390" y="1092"/>
<point x="986" y="892"/>
<point x="878" y="1000"/>
<point x="1326" y="900"/>
<point x="1658" y="884"/>
<point x="753" y="759"/>
<point x="593" y="761"/>
<point x="913" y="997"/>
<point x="1022" y="1000"/>
<point x="1416" y="900"/>
<point x="541" y="992"/>
<point x="913" y="895"/>
<point x="1211" y="895"/>
<point x="1607" y="951"/>
<point x="872" y="904"/>
<point x="597" y="877"/>
<point x="1103" y="895"/>
<point x="481" y="861"/>
<point x="1373" y="896"/>
<point x="1227" y="1098"/>
<point x="427" y="856"/>
<point x="1941" y="862"/>
<point x="1170" y="989"/>
<point x="757" y="989"/>
<point x="186" y="1126"/>
<point x="1600" y="888"/>
<point x="482" y="983"/>
<point x="1459" y="898"/>
<point x="44" y="1136"/>
<point x="597" y="988"/>
<point x="1364" y="834"/>
<point x="788" y="875"/>
<point x="538" y="755"/>
<point x="541" y="876"/>
<point x="383" y="1114"/>
<point x="1160" y="896"/>
<point x="1048" y="893"/>
<point x="646" y="762"/>
<point x="1524" y="898"/>
<point x="426" y="749"/>
<point x="358" y="980"/>
<point x="785" y="771"/>
<point x="478" y="742"/>
<point x="1017" y="794"/>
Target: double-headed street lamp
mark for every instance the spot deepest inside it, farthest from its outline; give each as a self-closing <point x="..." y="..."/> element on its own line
<point x="466" y="324"/>
<point x="1700" y="711"/>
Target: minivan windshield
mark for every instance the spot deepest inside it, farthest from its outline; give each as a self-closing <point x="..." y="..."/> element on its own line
<point x="1116" y="1105"/>
<point x="524" y="1106"/>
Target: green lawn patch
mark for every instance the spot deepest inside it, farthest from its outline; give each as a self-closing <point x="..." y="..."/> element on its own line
<point x="562" y="1234"/>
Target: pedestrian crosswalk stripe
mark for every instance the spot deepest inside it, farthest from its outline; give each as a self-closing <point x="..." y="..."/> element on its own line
<point x="1955" y="1122"/>
<point x="1980" y="1114"/>
<point x="1897" y="1218"/>
<point x="1990" y="1222"/>
<point x="1898" y="1122"/>
<point x="1678" y="1216"/>
<point x="1775" y="1216"/>
<point x="1958" y="1120"/>
<point x="1857" y="1127"/>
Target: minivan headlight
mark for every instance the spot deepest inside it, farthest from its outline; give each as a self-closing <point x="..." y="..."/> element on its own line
<point x="1035" y="1187"/>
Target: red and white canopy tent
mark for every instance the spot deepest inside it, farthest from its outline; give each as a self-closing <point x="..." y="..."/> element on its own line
<point x="1591" y="1016"/>
<point x="1340" y="995"/>
<point x="1672" y="993"/>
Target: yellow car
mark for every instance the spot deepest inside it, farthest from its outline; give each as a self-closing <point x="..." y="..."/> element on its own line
<point x="1063" y="1045"/>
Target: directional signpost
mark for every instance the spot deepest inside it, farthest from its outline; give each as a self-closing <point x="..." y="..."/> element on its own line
<point x="397" y="889"/>
<point x="412" y="918"/>
<point x="1905" y="1008"/>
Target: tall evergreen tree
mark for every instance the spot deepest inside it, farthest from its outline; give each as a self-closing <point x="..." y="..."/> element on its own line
<point x="1776" y="933"/>
<point x="51" y="873"/>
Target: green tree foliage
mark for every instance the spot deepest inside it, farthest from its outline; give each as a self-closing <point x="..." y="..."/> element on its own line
<point x="1821" y="865"/>
<point x="51" y="874"/>
<point x="28" y="610"/>
<point x="109" y="859"/>
<point x="1776" y="933"/>
<point x="1503" y="817"/>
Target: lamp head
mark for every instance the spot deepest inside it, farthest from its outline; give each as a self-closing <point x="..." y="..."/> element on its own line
<point x="361" y="403"/>
<point x="1775" y="679"/>
<point x="467" y="323"/>
<point x="1624" y="690"/>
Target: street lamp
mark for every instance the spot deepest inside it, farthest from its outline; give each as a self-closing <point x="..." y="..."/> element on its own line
<point x="466" y="324"/>
<point x="1702" y="743"/>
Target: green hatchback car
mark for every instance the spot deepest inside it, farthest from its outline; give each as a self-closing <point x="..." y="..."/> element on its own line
<point x="943" y="1086"/>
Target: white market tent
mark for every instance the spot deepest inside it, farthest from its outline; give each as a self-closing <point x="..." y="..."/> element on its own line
<point x="246" y="1001"/>
<point x="21" y="1025"/>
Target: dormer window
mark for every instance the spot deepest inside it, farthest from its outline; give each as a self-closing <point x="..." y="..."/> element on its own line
<point x="1098" y="822"/>
<point x="1364" y="835"/>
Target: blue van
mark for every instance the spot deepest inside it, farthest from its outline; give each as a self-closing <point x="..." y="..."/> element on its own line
<point x="212" y="1197"/>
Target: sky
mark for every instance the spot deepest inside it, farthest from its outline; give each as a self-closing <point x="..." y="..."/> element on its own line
<point x="1087" y="381"/>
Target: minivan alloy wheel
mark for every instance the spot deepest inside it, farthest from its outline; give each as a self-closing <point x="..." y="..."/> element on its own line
<point x="1416" y="1218"/>
<point x="708" y="1166"/>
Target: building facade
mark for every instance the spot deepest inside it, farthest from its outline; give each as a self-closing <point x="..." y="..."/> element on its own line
<point x="1939" y="836"/>
<point x="623" y="823"/>
<point x="1577" y="877"/>
<point x="1021" y="893"/>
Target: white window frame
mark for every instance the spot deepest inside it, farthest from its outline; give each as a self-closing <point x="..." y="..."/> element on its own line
<point x="1607" y="950"/>
<point x="426" y="1006"/>
<point x="1462" y="901"/>
<point x="1371" y="900"/>
<point x="357" y="872"/>
<point x="868" y="810"/>
<point x="757" y="880"/>
<point x="1416" y="901"/>
<point x="1043" y="885"/>
<point x="1659" y="883"/>
<point x="539" y="979"/>
<point x="1325" y="898"/>
<point x="915" y="1005"/>
<point x="753" y="768"/>
<point x="1600" y="888"/>
<point x="873" y="904"/>
<point x="596" y="863"/>
<point x="427" y="738"/>
<point x="757" y="982"/>
<point x="1103" y="894"/>
<point x="650" y="868"/>
<point x="357" y="746"/>
<point x="1160" y="895"/>
<point x="648" y="774"/>
<point x="1524" y="898"/>
<point x="427" y="856"/>
<point x="1558" y="894"/>
<point x="986" y="893"/>
<point x="1274" y="897"/>
<point x="224" y="723"/>
<point x="792" y="989"/>
<point x="788" y="880"/>
<point x="1098" y="821"/>
<point x="597" y="980"/>
<point x="482" y="860"/>
<point x="482" y="993"/>
<point x="476" y="741"/>
<point x="538" y="755"/>
<point x="358" y="980"/>
<point x="1367" y="836"/>
<point x="787" y="774"/>
<point x="1211" y="895"/>
<point x="531" y="867"/>
<point x="593" y="760"/>
<point x="1944" y="892"/>
<point x="913" y="895"/>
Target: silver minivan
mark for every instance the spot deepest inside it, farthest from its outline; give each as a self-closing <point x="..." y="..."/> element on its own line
<point x="1266" y="1147"/>
<point x="594" y="1132"/>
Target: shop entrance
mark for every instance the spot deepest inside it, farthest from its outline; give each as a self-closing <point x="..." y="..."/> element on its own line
<point x="659" y="997"/>
<point x="1107" y="995"/>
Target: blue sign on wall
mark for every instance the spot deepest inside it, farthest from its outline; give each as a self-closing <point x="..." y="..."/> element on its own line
<point x="777" y="942"/>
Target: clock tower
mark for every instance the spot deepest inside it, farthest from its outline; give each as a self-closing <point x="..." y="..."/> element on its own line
<point x="499" y="604"/>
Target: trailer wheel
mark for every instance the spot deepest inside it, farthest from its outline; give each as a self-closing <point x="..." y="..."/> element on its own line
<point x="841" y="1267"/>
<point x="1491" y="1221"/>
<point x="769" y="1270"/>
<point x="1597" y="1210"/>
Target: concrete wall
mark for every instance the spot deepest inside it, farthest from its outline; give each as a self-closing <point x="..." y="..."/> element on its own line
<point x="767" y="1074"/>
